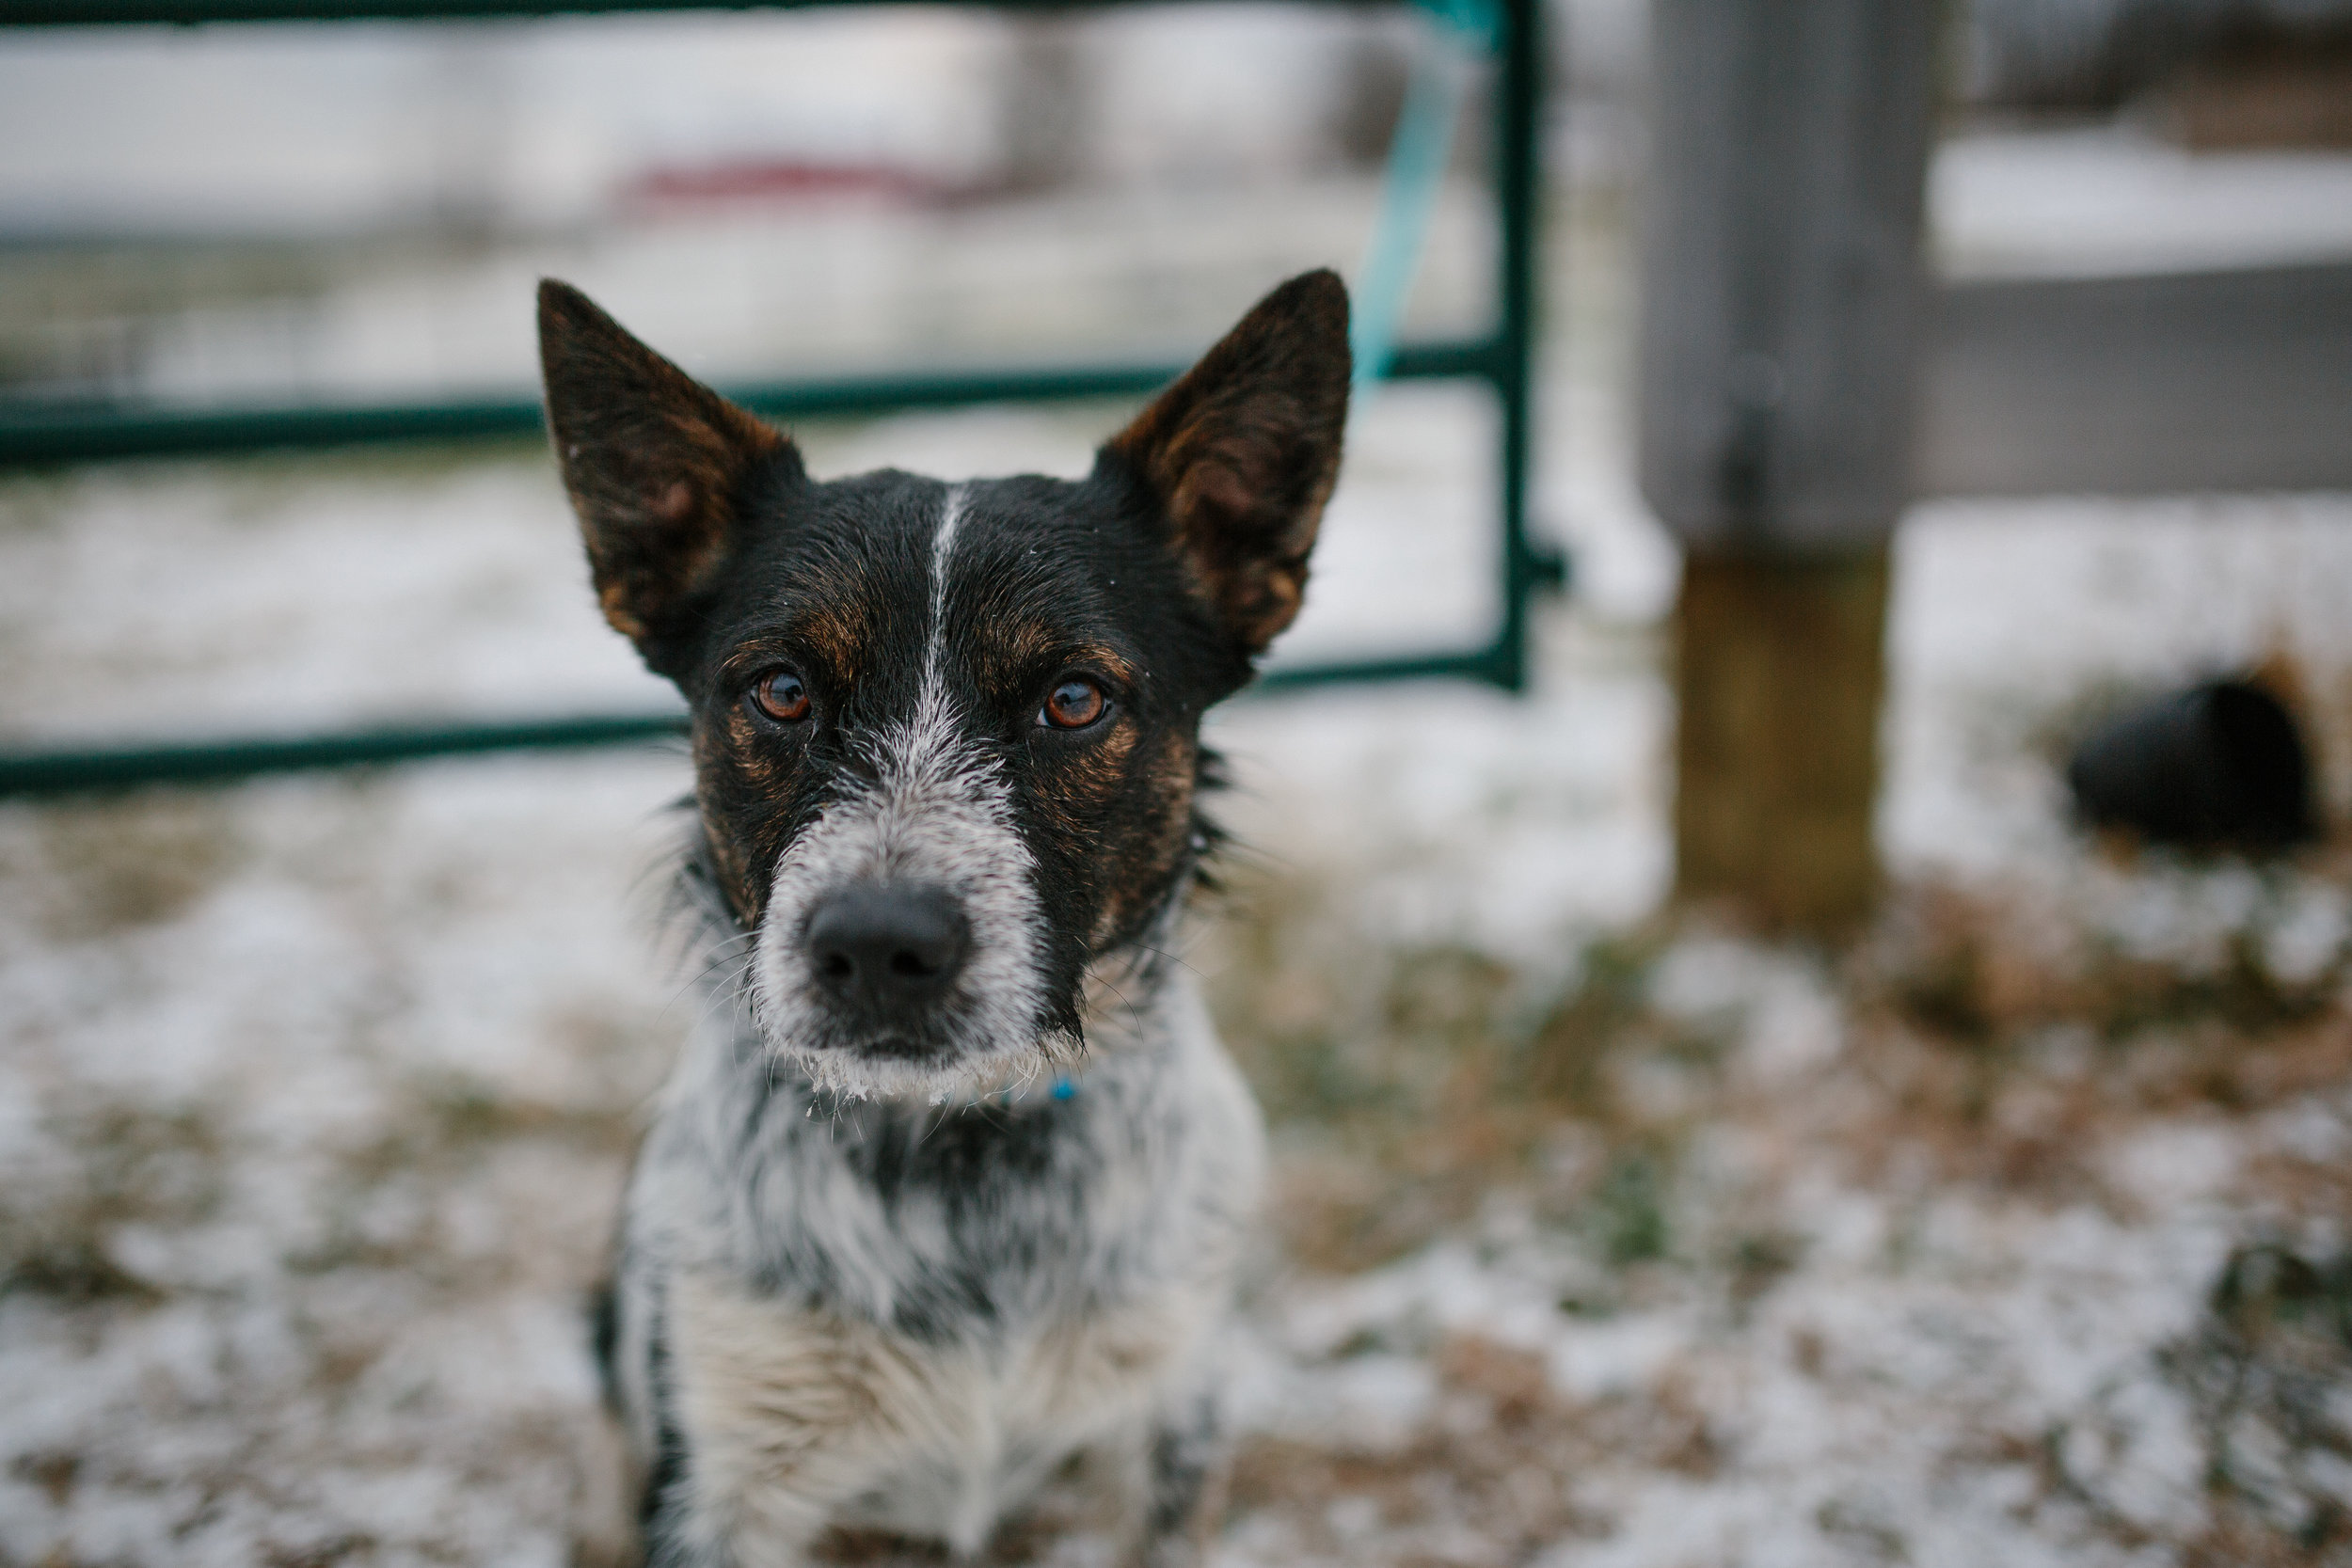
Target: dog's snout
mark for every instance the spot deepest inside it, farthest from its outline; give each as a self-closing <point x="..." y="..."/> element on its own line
<point x="888" y="948"/>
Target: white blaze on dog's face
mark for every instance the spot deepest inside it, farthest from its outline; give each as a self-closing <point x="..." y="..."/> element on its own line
<point x="945" y="737"/>
<point x="903" y="931"/>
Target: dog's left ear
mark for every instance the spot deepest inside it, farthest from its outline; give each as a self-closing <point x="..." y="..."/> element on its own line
<point x="1243" y="451"/>
<point x="657" y="465"/>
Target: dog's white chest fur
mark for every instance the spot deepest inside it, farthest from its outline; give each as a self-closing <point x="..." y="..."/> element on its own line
<point x="932" y="1440"/>
<point x="808" y="1351"/>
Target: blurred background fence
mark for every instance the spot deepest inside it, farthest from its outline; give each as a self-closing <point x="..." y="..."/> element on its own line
<point x="1894" y="252"/>
<point x="40" y="432"/>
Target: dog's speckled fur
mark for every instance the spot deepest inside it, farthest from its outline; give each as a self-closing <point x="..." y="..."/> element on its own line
<point x="872" y="1276"/>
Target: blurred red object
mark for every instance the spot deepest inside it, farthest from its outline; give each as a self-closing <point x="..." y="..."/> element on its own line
<point x="778" y="181"/>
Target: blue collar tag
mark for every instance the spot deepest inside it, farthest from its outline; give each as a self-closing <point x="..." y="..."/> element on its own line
<point x="1064" y="1087"/>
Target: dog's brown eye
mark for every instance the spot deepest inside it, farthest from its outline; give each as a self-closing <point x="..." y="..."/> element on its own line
<point x="781" y="696"/>
<point x="1073" y="705"/>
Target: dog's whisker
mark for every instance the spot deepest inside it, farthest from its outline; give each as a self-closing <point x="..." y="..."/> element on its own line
<point x="728" y="990"/>
<point x="1176" y="959"/>
<point x="701" y="978"/>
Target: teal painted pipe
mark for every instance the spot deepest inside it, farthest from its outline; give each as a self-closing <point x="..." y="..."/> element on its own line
<point x="1519" y="194"/>
<point x="33" y="436"/>
<point x="102" y="770"/>
<point x="184" y="13"/>
<point x="111" y="769"/>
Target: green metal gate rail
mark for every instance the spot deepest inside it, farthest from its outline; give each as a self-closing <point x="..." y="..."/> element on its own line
<point x="99" y="432"/>
<point x="34" y="436"/>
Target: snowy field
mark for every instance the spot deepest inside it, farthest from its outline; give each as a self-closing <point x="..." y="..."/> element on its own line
<point x="2017" y="1233"/>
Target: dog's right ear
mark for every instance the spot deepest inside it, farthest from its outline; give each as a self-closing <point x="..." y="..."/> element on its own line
<point x="1242" y="452"/>
<point x="655" y="463"/>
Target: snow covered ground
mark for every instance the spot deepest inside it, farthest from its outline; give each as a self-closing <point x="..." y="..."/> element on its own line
<point x="2017" y="1233"/>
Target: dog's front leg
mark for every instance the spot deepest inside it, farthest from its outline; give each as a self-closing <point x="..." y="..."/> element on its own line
<point x="1181" y="1488"/>
<point x="773" y="1530"/>
<point x="782" y="1414"/>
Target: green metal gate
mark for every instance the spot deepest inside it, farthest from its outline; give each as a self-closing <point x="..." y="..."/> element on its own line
<point x="34" y="435"/>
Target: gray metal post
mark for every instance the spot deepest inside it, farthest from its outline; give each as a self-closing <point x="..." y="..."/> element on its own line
<point x="1781" y="322"/>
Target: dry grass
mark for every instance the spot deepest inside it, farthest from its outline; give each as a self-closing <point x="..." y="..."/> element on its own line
<point x="1405" y="1085"/>
<point x="115" y="1165"/>
<point x="1999" y="1044"/>
<point x="112" y="866"/>
<point x="1986" y="1034"/>
<point x="1995" y="1042"/>
<point x="1486" y="1469"/>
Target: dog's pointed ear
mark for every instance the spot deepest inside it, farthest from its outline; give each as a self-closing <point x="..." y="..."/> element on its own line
<point x="1242" y="452"/>
<point x="656" y="464"/>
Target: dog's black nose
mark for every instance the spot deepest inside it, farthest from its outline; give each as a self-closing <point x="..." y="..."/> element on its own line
<point x="888" y="949"/>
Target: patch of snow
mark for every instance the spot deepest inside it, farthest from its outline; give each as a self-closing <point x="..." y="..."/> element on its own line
<point x="2112" y="199"/>
<point x="2308" y="935"/>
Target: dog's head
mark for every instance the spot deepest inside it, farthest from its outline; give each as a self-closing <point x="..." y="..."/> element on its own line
<point x="945" y="735"/>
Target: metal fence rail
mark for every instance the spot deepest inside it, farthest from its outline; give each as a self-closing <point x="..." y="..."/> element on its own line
<point x="35" y="434"/>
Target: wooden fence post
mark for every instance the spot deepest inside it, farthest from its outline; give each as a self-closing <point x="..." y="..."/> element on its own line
<point x="1783" y="285"/>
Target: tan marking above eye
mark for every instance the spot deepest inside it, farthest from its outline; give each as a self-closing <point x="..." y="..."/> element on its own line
<point x="782" y="695"/>
<point x="1075" y="703"/>
<point x="674" y="502"/>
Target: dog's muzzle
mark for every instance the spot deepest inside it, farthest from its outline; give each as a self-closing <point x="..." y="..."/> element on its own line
<point x="901" y="948"/>
<point x="884" y="955"/>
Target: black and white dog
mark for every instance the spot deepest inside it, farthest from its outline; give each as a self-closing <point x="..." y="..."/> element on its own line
<point x="945" y="1196"/>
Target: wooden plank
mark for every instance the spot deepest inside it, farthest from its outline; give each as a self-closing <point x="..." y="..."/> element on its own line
<point x="1782" y="316"/>
<point x="2237" y="380"/>
<point x="1779" y="677"/>
<point x="1782" y="274"/>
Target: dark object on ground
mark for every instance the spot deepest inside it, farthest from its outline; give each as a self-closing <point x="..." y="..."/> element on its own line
<point x="2219" y="764"/>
